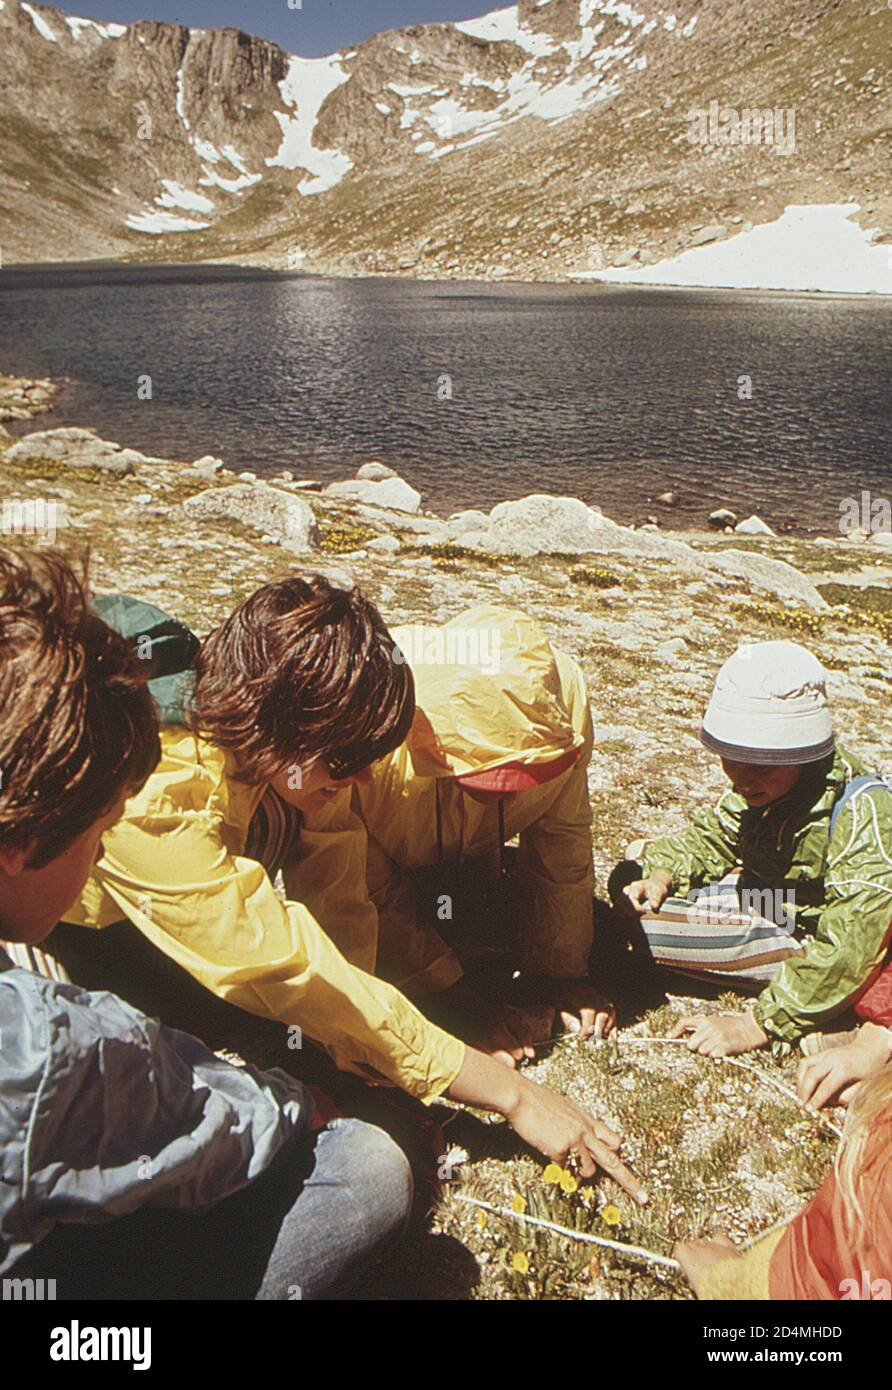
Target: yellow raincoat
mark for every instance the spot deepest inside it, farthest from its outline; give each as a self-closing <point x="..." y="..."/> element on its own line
<point x="174" y="865"/>
<point x="491" y="690"/>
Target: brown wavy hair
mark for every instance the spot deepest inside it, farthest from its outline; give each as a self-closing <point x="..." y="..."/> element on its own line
<point x="302" y="670"/>
<point x="78" y="726"/>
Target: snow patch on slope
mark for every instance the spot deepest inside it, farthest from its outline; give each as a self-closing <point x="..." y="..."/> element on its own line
<point x="504" y="26"/>
<point x="39" y="23"/>
<point x="181" y="98"/>
<point x="175" y="196"/>
<point x="305" y="87"/>
<point x="105" y="31"/>
<point x="588" y="76"/>
<point x="156" y="223"/>
<point x="809" y="247"/>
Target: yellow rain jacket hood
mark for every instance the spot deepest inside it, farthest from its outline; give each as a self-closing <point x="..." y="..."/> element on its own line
<point x="491" y="691"/>
<point x="175" y="866"/>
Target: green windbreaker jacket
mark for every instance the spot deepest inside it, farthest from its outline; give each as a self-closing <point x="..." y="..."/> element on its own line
<point x="840" y="893"/>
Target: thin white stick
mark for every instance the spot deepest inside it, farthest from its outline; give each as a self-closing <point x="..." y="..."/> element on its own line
<point x="785" y="1091"/>
<point x="744" y="1066"/>
<point x="583" y="1236"/>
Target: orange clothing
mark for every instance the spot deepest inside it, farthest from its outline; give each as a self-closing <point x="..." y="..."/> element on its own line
<point x="828" y="1252"/>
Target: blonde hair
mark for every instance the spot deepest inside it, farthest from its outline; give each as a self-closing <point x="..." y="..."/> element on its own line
<point x="873" y="1102"/>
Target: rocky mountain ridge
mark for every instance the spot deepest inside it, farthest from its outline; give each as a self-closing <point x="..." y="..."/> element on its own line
<point x="543" y="140"/>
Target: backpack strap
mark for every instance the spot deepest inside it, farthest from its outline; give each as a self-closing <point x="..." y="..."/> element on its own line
<point x="855" y="788"/>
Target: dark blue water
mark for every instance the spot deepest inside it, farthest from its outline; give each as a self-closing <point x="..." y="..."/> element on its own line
<point x="606" y="394"/>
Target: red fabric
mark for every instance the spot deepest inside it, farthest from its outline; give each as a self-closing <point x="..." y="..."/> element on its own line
<point x="826" y="1252"/>
<point x="518" y="777"/>
<point x="875" y="1002"/>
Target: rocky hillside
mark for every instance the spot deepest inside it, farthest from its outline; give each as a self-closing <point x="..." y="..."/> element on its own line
<point x="539" y="141"/>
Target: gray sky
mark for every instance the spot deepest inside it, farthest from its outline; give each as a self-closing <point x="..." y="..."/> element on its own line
<point x="317" y="27"/>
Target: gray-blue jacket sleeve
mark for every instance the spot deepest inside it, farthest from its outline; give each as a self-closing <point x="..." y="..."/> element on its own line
<point x="103" y="1110"/>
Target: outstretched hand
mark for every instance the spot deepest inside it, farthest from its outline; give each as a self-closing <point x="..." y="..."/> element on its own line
<point x="720" y="1035"/>
<point x="833" y="1076"/>
<point x="558" y="1127"/>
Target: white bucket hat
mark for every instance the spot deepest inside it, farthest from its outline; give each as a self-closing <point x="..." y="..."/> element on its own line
<point x="769" y="707"/>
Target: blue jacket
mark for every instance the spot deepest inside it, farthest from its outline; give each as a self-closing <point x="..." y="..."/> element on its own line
<point x="103" y="1110"/>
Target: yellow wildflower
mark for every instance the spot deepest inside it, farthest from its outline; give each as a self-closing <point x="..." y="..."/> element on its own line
<point x="481" y="1219"/>
<point x="568" y="1182"/>
<point x="520" y="1263"/>
<point x="611" y="1215"/>
<point x="518" y="1204"/>
<point x="552" y="1173"/>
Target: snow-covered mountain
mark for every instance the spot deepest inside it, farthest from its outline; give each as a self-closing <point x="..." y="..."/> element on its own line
<point x="546" y="139"/>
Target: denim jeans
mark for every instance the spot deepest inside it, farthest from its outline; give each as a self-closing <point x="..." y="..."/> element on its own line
<point x="327" y="1203"/>
<point x="357" y="1197"/>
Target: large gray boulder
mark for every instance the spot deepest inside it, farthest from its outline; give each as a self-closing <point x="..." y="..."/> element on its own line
<point x="286" y="519"/>
<point x="538" y="524"/>
<point x="392" y="494"/>
<point x="774" y="576"/>
<point x="78" y="448"/>
<point x="541" y="524"/>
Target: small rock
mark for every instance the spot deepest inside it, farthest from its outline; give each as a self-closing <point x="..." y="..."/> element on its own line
<point x="753" y="526"/>
<point x="705" y="235"/>
<point x="247" y="476"/>
<point x="461" y="522"/>
<point x="675" y="646"/>
<point x="883" y="538"/>
<point x="667" y="499"/>
<point x="387" y="545"/>
<point x="721" y="518"/>
<point x="376" y="472"/>
<point x="208" y="464"/>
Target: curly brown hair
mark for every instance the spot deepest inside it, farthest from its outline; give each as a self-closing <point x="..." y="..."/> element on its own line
<point x="302" y="670"/>
<point x="78" y="726"/>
